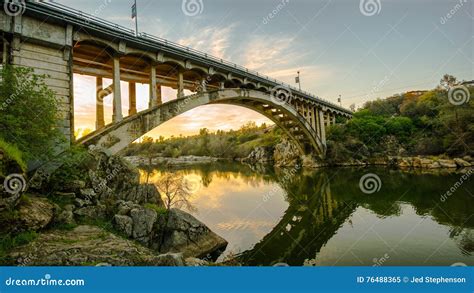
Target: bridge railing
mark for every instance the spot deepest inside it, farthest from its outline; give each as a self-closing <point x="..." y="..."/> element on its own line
<point x="90" y="19"/>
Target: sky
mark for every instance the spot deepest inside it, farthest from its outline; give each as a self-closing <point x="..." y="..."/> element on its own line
<point x="361" y="50"/>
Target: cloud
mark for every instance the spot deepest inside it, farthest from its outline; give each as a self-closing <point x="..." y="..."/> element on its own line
<point x="212" y="40"/>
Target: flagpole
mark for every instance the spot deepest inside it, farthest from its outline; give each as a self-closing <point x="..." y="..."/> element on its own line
<point x="136" y="19"/>
<point x="299" y="80"/>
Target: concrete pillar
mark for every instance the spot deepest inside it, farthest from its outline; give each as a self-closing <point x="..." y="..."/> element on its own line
<point x="221" y="85"/>
<point x="99" y="104"/>
<point x="153" y="96"/>
<point x="159" y="99"/>
<point x="313" y="118"/>
<point x="180" y="85"/>
<point x="132" y="98"/>
<point x="117" y="105"/>
<point x="322" y="127"/>
<point x="203" y="85"/>
<point x="333" y="119"/>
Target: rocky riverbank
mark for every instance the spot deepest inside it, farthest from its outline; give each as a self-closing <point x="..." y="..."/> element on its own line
<point x="179" y="161"/>
<point x="106" y="218"/>
<point x="285" y="154"/>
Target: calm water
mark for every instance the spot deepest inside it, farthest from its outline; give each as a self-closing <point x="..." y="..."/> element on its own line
<point x="321" y="217"/>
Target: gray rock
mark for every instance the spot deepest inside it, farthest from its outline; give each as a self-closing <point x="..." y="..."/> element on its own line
<point x="91" y="212"/>
<point x="447" y="163"/>
<point x="65" y="217"/>
<point x="462" y="163"/>
<point x="170" y="260"/>
<point x="195" y="262"/>
<point x="184" y="233"/>
<point x="143" y="222"/>
<point x="35" y="213"/>
<point x="88" y="194"/>
<point x="124" y="224"/>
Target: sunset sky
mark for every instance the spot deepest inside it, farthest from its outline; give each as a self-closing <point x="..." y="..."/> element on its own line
<point x="407" y="45"/>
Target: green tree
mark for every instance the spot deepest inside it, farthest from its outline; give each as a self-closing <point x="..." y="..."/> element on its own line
<point x="28" y="113"/>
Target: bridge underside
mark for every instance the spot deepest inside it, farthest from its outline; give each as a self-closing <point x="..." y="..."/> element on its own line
<point x="305" y="128"/>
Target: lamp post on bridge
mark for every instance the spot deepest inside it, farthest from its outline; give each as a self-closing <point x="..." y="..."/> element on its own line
<point x="135" y="16"/>
<point x="298" y="80"/>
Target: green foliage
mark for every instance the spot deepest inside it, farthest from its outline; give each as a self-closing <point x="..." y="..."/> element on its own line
<point x="159" y="210"/>
<point x="28" y="112"/>
<point x="419" y="123"/>
<point x="74" y="167"/>
<point x="12" y="159"/>
<point x="10" y="241"/>
<point x="225" y="144"/>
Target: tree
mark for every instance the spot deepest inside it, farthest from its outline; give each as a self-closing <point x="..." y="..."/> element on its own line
<point x="173" y="187"/>
<point x="28" y="113"/>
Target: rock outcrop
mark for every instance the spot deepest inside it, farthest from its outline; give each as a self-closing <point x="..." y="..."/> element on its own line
<point x="84" y="245"/>
<point x="184" y="233"/>
<point x="35" y="213"/>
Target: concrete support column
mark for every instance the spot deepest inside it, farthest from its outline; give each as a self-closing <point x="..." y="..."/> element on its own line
<point x="152" y="100"/>
<point x="333" y="119"/>
<point x="117" y="105"/>
<point x="313" y="118"/>
<point x="159" y="99"/>
<point x="132" y="98"/>
<point x="4" y="52"/>
<point x="99" y="104"/>
<point x="204" y="85"/>
<point x="180" y="85"/>
<point x="322" y="127"/>
<point x="221" y="85"/>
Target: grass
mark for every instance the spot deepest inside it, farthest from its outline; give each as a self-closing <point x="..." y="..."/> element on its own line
<point x="9" y="241"/>
<point x="12" y="154"/>
<point x="159" y="210"/>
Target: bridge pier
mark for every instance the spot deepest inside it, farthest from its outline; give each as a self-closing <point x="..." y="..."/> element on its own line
<point x="180" y="85"/>
<point x="132" y="98"/>
<point x="99" y="104"/>
<point x="322" y="127"/>
<point x="153" y="92"/>
<point x="117" y="103"/>
<point x="159" y="99"/>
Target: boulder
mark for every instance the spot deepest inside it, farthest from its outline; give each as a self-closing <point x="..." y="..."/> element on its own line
<point x="170" y="260"/>
<point x="260" y="155"/>
<point x="184" y="233"/>
<point x="195" y="262"/>
<point x="124" y="224"/>
<point x="462" y="163"/>
<point x="35" y="213"/>
<point x="143" y="221"/>
<point x="91" y="212"/>
<point x="84" y="245"/>
<point x="447" y="163"/>
<point x="286" y="153"/>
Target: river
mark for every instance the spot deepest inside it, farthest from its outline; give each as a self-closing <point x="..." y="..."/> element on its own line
<point x="323" y="218"/>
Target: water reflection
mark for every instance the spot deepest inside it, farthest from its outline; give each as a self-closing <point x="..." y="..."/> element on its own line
<point x="321" y="217"/>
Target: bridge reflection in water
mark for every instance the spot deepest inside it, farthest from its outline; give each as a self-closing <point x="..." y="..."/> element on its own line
<point x="322" y="218"/>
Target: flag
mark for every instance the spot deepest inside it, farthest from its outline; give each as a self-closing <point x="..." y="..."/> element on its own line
<point x="297" y="79"/>
<point x="134" y="10"/>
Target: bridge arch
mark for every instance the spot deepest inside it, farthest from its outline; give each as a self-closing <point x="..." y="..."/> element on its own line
<point x="119" y="135"/>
